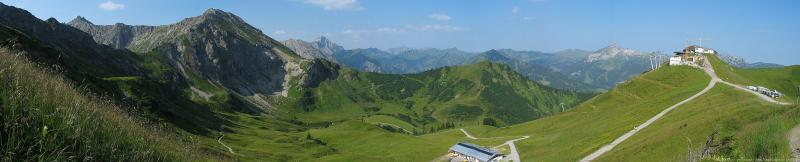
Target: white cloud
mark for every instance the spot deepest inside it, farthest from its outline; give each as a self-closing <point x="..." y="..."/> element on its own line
<point x="378" y="30"/>
<point x="436" y="27"/>
<point x="365" y="35"/>
<point x="763" y="31"/>
<point x="401" y="30"/>
<point x="515" y="9"/>
<point x="111" y="6"/>
<point x="336" y="4"/>
<point x="391" y="30"/>
<point x="436" y="16"/>
<point x="528" y="18"/>
<point x="280" y="32"/>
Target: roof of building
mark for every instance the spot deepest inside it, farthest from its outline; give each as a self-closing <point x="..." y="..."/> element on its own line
<point x="472" y="150"/>
<point x="693" y="47"/>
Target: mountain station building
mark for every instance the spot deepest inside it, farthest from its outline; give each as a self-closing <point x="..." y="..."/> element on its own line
<point x="473" y="153"/>
<point x="689" y="55"/>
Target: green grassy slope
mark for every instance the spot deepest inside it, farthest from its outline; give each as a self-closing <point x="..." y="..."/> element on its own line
<point x="784" y="79"/>
<point x="359" y="141"/>
<point x="746" y="127"/>
<point x="353" y="103"/>
<point x="45" y="118"/>
<point x="152" y="90"/>
<point x="262" y="138"/>
<point x="571" y="135"/>
<point x="462" y="94"/>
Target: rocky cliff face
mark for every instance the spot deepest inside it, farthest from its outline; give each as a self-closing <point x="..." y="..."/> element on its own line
<point x="320" y="48"/>
<point x="216" y="46"/>
<point x="54" y="43"/>
<point x="119" y="35"/>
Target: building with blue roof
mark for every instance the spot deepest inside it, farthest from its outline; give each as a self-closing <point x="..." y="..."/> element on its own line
<point x="472" y="152"/>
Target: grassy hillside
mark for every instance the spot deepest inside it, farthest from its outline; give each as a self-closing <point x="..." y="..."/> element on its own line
<point x="46" y="118"/>
<point x="340" y="119"/>
<point x="784" y="79"/>
<point x="738" y="125"/>
<point x="173" y="120"/>
<point x="464" y="95"/>
<point x="81" y="126"/>
<point x="359" y="141"/>
<point x="571" y="135"/>
<point x="730" y="123"/>
<point x="726" y="123"/>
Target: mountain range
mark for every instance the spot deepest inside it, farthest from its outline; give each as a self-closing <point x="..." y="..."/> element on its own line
<point x="741" y="63"/>
<point x="215" y="74"/>
<point x="569" y="69"/>
<point x="214" y="88"/>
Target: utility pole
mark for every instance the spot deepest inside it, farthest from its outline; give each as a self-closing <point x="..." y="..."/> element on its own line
<point x="686" y="42"/>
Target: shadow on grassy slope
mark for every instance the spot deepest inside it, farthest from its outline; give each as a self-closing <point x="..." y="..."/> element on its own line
<point x="46" y="118"/>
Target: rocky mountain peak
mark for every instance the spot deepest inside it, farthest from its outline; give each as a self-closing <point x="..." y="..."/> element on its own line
<point x="612" y="51"/>
<point x="52" y="22"/>
<point x="321" y="47"/>
<point x="213" y="11"/>
<point x="323" y="39"/>
<point x="740" y="62"/>
<point x="327" y="46"/>
<point x="213" y="14"/>
<point x="217" y="46"/>
<point x="80" y="20"/>
<point x="494" y="55"/>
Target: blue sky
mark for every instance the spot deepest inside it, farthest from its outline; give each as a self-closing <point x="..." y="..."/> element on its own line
<point x="757" y="30"/>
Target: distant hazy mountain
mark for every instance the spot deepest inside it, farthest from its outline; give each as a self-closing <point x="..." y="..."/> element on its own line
<point x="603" y="68"/>
<point x="394" y="60"/>
<point x="402" y="61"/>
<point x="410" y="60"/>
<point x="540" y="74"/>
<point x="569" y="69"/>
<point x="740" y="62"/>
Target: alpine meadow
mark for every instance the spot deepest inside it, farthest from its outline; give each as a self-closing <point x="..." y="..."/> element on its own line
<point x="365" y="80"/>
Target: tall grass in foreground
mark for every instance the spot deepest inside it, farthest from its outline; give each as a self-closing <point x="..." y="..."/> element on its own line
<point x="768" y="140"/>
<point x="45" y="118"/>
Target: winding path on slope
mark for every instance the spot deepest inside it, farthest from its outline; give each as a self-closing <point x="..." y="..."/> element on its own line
<point x="467" y="134"/>
<point x="223" y="144"/>
<point x="709" y="69"/>
<point x="794" y="142"/>
<point x="763" y="97"/>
